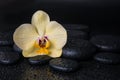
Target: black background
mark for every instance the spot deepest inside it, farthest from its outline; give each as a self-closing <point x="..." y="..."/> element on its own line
<point x="99" y="15"/>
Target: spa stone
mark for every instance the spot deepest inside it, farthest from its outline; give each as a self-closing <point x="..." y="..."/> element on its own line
<point x="63" y="65"/>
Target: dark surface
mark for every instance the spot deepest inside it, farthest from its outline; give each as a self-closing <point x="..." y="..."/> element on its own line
<point x="16" y="48"/>
<point x="107" y="42"/>
<point x="63" y="65"/>
<point x="79" y="27"/>
<point x="6" y="38"/>
<point x="39" y="60"/>
<point x="77" y="34"/>
<point x="90" y="70"/>
<point x="6" y="48"/>
<point x="9" y="57"/>
<point x="78" y="49"/>
<point x="82" y="11"/>
<point x="65" y="11"/>
<point x="106" y="57"/>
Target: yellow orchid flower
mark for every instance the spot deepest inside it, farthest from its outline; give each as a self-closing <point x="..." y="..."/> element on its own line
<point x="41" y="37"/>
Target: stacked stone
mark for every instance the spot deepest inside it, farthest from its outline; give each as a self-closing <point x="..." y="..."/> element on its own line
<point x="80" y="47"/>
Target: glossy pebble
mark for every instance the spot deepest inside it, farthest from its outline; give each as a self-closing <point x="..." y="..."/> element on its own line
<point x="78" y="49"/>
<point x="107" y="42"/>
<point x="9" y="57"/>
<point x="6" y="38"/>
<point x="77" y="34"/>
<point x="64" y="65"/>
<point x="16" y="48"/>
<point x="106" y="57"/>
<point x="38" y="60"/>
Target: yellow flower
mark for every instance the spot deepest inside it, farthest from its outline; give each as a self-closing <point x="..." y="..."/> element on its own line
<point x="41" y="37"/>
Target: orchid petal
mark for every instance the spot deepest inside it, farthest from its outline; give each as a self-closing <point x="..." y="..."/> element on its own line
<point x="25" y="36"/>
<point x="40" y="19"/>
<point x="56" y="34"/>
<point x="55" y="52"/>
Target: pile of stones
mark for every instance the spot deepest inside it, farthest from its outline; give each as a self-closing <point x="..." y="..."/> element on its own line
<point x="79" y="47"/>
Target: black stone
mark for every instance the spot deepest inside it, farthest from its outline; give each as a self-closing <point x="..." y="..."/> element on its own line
<point x="5" y="48"/>
<point x="80" y="27"/>
<point x="106" y="42"/>
<point x="6" y="38"/>
<point x="78" y="49"/>
<point x="16" y="48"/>
<point x="65" y="65"/>
<point x="105" y="57"/>
<point x="77" y="34"/>
<point x="38" y="60"/>
<point x="9" y="57"/>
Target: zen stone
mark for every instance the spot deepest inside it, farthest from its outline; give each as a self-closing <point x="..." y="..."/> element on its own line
<point x="78" y="49"/>
<point x="38" y="60"/>
<point x="106" y="57"/>
<point x="64" y="65"/>
<point x="6" y="38"/>
<point x="77" y="34"/>
<point x="16" y="48"/>
<point x="9" y="57"/>
<point x="107" y="42"/>
<point x="6" y="49"/>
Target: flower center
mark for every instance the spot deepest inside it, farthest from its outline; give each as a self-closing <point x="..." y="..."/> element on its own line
<point x="42" y="46"/>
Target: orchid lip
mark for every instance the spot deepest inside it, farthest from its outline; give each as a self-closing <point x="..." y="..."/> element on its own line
<point x="42" y="41"/>
<point x="42" y="44"/>
<point x="46" y="37"/>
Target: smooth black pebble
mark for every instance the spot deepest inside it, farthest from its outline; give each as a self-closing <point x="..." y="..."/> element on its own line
<point x="38" y="60"/>
<point x="9" y="57"/>
<point x="106" y="42"/>
<point x="64" y="65"/>
<point x="16" y="48"/>
<point x="78" y="49"/>
<point x="80" y="27"/>
<point x="6" y="38"/>
<point x="77" y="34"/>
<point x="106" y="57"/>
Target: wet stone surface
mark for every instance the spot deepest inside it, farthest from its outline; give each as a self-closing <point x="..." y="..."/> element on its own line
<point x="90" y="70"/>
<point x="6" y="48"/>
<point x="6" y="38"/>
<point x="39" y="60"/>
<point x="107" y="42"/>
<point x="107" y="57"/>
<point x="78" y="49"/>
<point x="16" y="48"/>
<point x="77" y="34"/>
<point x="9" y="57"/>
<point x="63" y="65"/>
